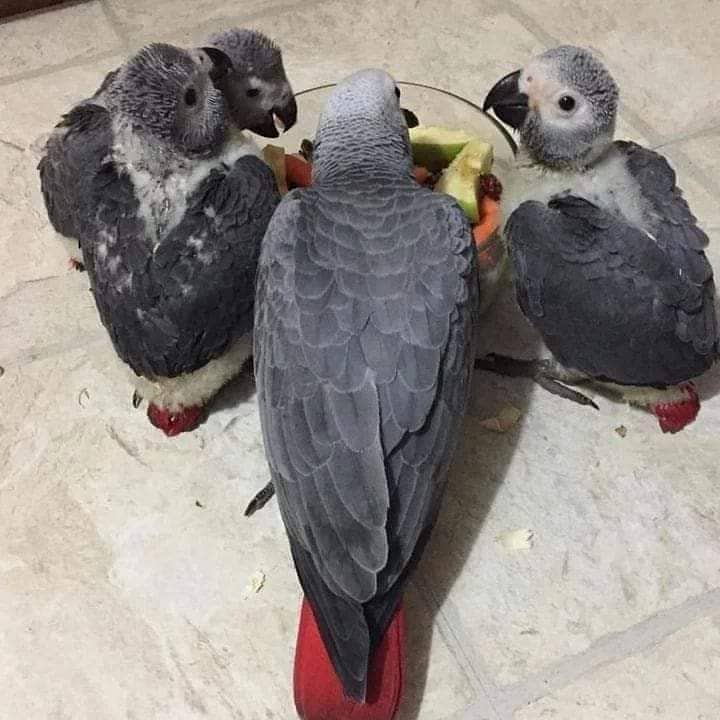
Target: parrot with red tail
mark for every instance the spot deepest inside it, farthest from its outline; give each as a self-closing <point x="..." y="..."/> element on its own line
<point x="366" y="300"/>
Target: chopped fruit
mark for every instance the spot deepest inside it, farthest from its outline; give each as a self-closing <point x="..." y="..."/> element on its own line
<point x="274" y="156"/>
<point x="489" y="186"/>
<point x="489" y="221"/>
<point x="74" y="264"/>
<point x="297" y="171"/>
<point x="461" y="177"/>
<point x="436" y="147"/>
<point x="422" y="175"/>
<point x="174" y="423"/>
<point x="318" y="692"/>
<point x="674" y="416"/>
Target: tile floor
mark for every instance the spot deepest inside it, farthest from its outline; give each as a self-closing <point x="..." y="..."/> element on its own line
<point x="124" y="556"/>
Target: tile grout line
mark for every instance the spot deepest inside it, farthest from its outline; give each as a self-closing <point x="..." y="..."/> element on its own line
<point x="60" y="67"/>
<point x="115" y="23"/>
<point x="227" y="21"/>
<point x="486" y="706"/>
<point x="609" y="649"/>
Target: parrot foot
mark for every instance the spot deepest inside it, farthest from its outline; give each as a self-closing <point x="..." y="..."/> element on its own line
<point x="260" y="500"/>
<point x="136" y="399"/>
<point x="674" y="416"/>
<point x="541" y="371"/>
<point x="74" y="264"/>
<point x="174" y="423"/>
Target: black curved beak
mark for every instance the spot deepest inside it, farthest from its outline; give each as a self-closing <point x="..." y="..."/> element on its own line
<point x="509" y="104"/>
<point x="287" y="113"/>
<point x="222" y="64"/>
<point x="410" y="118"/>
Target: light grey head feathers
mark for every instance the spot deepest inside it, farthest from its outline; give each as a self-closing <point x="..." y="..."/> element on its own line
<point x="564" y="103"/>
<point x="362" y="128"/>
<point x="166" y="94"/>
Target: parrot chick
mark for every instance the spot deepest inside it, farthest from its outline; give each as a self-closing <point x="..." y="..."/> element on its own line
<point x="251" y="77"/>
<point x="256" y="89"/>
<point x="176" y="213"/>
<point x="363" y="359"/>
<point x="608" y="259"/>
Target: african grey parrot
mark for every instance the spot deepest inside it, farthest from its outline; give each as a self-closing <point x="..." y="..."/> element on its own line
<point x="177" y="213"/>
<point x="609" y="260"/>
<point x="81" y="141"/>
<point x="363" y="355"/>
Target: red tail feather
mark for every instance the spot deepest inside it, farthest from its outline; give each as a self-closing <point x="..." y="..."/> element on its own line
<point x="674" y="416"/>
<point x="318" y="692"/>
<point x="185" y="420"/>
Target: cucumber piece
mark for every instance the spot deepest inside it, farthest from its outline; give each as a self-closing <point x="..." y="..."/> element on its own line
<point x="435" y="147"/>
<point x="460" y="178"/>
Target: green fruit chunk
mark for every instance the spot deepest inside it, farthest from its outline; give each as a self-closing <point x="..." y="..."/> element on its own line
<point x="460" y="178"/>
<point x="436" y="147"/>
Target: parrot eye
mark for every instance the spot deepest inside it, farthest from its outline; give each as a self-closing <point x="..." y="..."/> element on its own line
<point x="253" y="92"/>
<point x="397" y="92"/>
<point x="190" y="97"/>
<point x="566" y="103"/>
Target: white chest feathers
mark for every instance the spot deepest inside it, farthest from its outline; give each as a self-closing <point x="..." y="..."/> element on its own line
<point x="164" y="181"/>
<point x="607" y="184"/>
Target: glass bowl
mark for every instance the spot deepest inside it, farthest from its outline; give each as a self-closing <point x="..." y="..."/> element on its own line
<point x="433" y="106"/>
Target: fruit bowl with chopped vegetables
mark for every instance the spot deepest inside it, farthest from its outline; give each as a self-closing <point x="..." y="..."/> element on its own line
<point x="457" y="149"/>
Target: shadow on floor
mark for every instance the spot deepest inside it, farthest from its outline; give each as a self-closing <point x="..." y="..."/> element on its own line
<point x="479" y="468"/>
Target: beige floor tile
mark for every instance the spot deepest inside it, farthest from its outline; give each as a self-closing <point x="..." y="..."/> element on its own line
<point x="53" y="37"/>
<point x="663" y="58"/>
<point x="623" y="527"/>
<point x="677" y="679"/>
<point x="29" y="109"/>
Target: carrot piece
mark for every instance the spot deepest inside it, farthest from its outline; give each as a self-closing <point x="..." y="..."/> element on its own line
<point x="422" y="174"/>
<point x="298" y="171"/>
<point x="489" y="212"/>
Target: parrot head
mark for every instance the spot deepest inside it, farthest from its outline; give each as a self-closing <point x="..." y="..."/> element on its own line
<point x="363" y="128"/>
<point x="256" y="90"/>
<point x="563" y="103"/>
<point x="167" y="94"/>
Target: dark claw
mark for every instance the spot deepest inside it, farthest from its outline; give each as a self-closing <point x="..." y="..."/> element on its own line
<point x="260" y="500"/>
<point x="511" y="367"/>
<point x="537" y="370"/>
<point x="136" y="399"/>
<point x="306" y="150"/>
<point x="557" y="388"/>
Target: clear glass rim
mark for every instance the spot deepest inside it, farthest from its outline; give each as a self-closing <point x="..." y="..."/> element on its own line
<point x="498" y="126"/>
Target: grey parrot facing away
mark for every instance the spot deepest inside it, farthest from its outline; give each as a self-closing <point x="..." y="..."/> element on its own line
<point x="363" y="334"/>
<point x="609" y="260"/>
<point x="81" y="141"/>
<point x="177" y="213"/>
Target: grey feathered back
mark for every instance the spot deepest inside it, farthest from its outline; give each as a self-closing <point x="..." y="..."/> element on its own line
<point x="363" y="355"/>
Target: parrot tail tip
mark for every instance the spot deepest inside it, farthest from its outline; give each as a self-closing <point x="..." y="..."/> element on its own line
<point x="674" y="416"/>
<point x="174" y="423"/>
<point x="318" y="692"/>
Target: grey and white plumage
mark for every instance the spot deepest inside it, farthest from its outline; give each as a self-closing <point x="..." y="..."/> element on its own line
<point x="178" y="212"/>
<point x="81" y="141"/>
<point x="609" y="259"/>
<point x="363" y="336"/>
